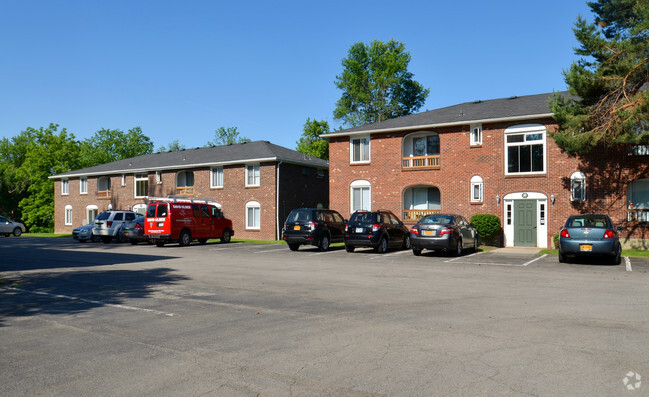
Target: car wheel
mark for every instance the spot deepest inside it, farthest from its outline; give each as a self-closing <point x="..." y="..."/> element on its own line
<point x="133" y="242"/>
<point x="226" y="237"/>
<point x="406" y="242"/>
<point x="349" y="248"/>
<point x="185" y="238"/>
<point x="382" y="248"/>
<point x="160" y="243"/>
<point x="324" y="243"/>
<point x="458" y="248"/>
<point x="475" y="244"/>
<point x="416" y="251"/>
<point x="293" y="246"/>
<point x="17" y="232"/>
<point x="617" y="258"/>
<point x="106" y="239"/>
<point x="95" y="239"/>
<point x="202" y="241"/>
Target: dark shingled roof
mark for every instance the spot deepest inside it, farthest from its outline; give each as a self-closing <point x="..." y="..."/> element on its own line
<point x="206" y="156"/>
<point x="516" y="107"/>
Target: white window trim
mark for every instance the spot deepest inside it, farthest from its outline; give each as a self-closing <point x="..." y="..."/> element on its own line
<point x="68" y="219"/>
<point x="351" y="149"/>
<point x="527" y="129"/>
<point x="577" y="176"/>
<point x="123" y="180"/>
<point x="357" y="185"/>
<point x="477" y="181"/>
<point x="158" y="177"/>
<point x="65" y="187"/>
<point x="136" y="179"/>
<point x="258" y="172"/>
<point x="214" y="170"/>
<point x="83" y="182"/>
<point x="253" y="204"/>
<point x="476" y="142"/>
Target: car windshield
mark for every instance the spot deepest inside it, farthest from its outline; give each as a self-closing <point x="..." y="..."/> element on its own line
<point x="103" y="216"/>
<point x="588" y="221"/>
<point x="437" y="220"/>
<point x="363" y="217"/>
<point x="299" y="216"/>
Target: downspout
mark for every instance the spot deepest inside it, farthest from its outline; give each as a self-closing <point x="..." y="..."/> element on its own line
<point x="277" y="203"/>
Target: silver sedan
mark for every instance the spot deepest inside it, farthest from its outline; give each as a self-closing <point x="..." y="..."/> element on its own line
<point x="8" y="227"/>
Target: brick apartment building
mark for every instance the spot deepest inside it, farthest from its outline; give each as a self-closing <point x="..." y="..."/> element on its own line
<point x="256" y="183"/>
<point x="487" y="157"/>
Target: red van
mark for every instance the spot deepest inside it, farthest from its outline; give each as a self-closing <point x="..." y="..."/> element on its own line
<point x="183" y="220"/>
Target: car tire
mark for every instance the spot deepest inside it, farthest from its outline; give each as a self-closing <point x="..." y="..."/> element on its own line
<point x="475" y="244"/>
<point x="17" y="232"/>
<point x="562" y="257"/>
<point x="349" y="248"/>
<point x="226" y="237"/>
<point x="106" y="239"/>
<point x="293" y="246"/>
<point x="416" y="251"/>
<point x="323" y="245"/>
<point x="185" y="238"/>
<point x="95" y="239"/>
<point x="382" y="247"/>
<point x="458" y="248"/>
<point x="617" y="258"/>
<point x="160" y="243"/>
<point x="406" y="242"/>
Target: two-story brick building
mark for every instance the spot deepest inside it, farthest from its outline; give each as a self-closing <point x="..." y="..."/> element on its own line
<point x="488" y="157"/>
<point x="256" y="183"/>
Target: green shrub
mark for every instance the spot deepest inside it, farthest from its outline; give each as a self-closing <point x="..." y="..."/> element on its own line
<point x="555" y="240"/>
<point x="486" y="225"/>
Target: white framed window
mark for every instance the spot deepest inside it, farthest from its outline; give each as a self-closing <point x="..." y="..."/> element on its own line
<point x="123" y="180"/>
<point x="68" y="215"/>
<point x="216" y="177"/>
<point x="476" y="134"/>
<point x="361" y="196"/>
<point x="252" y="175"/>
<point x="525" y="149"/>
<point x="477" y="189"/>
<point x="253" y="215"/>
<point x="65" y="186"/>
<point x="83" y="185"/>
<point x="359" y="149"/>
<point x="141" y="185"/>
<point x="158" y="177"/>
<point x="577" y="186"/>
<point x="91" y="213"/>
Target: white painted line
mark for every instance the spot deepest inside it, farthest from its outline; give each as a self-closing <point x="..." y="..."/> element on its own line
<point x="627" y="261"/>
<point x="401" y="252"/>
<point x="323" y="253"/>
<point x="534" y="260"/>
<point x="273" y="250"/>
<point x="100" y="303"/>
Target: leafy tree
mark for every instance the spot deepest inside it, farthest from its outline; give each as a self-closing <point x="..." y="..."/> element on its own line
<point x="173" y="146"/>
<point x="311" y="141"/>
<point x="111" y="145"/>
<point x="610" y="101"/>
<point x="376" y="84"/>
<point x="227" y="136"/>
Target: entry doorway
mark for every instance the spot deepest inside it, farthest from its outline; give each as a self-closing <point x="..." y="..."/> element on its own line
<point x="525" y="223"/>
<point x="525" y="220"/>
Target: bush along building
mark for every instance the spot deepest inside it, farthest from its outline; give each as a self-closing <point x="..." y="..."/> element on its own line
<point x="256" y="183"/>
<point x="488" y="157"/>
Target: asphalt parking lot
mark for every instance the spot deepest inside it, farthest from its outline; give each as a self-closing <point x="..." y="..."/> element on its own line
<point x="253" y="319"/>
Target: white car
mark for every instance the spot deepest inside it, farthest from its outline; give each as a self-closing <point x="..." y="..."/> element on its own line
<point x="108" y="224"/>
<point x="8" y="227"/>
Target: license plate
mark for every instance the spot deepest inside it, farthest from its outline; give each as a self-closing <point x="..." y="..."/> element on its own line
<point x="359" y="230"/>
<point x="586" y="247"/>
<point x="297" y="227"/>
<point x="428" y="233"/>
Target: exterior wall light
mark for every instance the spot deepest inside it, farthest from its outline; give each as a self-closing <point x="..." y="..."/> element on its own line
<point x="552" y="198"/>
<point x="497" y="200"/>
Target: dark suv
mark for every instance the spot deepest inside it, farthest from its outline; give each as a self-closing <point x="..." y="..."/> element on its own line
<point x="313" y="226"/>
<point x="377" y="229"/>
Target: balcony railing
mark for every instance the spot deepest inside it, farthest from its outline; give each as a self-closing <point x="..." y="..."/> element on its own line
<point x="637" y="215"/>
<point x="104" y="194"/>
<point x="185" y="190"/>
<point x="415" y="215"/>
<point x="421" y="161"/>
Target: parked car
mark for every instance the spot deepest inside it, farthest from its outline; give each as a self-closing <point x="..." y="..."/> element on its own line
<point x="451" y="233"/>
<point x="8" y="227"/>
<point x="133" y="231"/>
<point x="313" y="226"/>
<point x="108" y="223"/>
<point x="85" y="233"/>
<point x="377" y="229"/>
<point x="590" y="235"/>
<point x="182" y="220"/>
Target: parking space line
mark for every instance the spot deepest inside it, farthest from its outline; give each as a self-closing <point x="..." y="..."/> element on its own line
<point x="100" y="303"/>
<point x="533" y="260"/>
<point x="401" y="252"/>
<point x="627" y="262"/>
<point x="273" y="250"/>
<point x="322" y="253"/>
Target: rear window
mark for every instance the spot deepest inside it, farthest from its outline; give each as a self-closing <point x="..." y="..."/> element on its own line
<point x="103" y="216"/>
<point x="588" y="221"/>
<point x="156" y="210"/>
<point x="437" y="220"/>
<point x="363" y="217"/>
<point x="300" y="216"/>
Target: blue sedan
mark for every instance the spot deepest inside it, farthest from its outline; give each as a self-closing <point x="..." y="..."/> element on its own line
<point x="590" y="235"/>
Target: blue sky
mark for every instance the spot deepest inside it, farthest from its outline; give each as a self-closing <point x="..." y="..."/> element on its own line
<point x="180" y="70"/>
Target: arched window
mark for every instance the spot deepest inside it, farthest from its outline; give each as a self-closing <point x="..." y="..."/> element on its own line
<point x="361" y="198"/>
<point x="420" y="150"/>
<point x="477" y="189"/>
<point x="577" y="186"/>
<point x="253" y="215"/>
<point x="185" y="183"/>
<point x="419" y="201"/>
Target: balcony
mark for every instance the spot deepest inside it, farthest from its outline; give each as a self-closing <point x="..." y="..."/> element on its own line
<point x="103" y="194"/>
<point x="640" y="215"/>
<point x="415" y="215"/>
<point x="418" y="162"/>
<point x="185" y="190"/>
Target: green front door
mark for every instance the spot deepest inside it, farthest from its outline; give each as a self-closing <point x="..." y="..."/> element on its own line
<point x="525" y="223"/>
